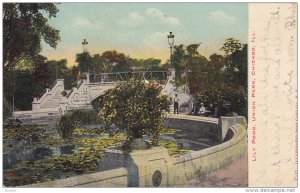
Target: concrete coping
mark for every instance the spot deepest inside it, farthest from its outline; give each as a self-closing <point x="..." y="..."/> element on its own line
<point x="239" y="133"/>
<point x="196" y="118"/>
<point x="82" y="179"/>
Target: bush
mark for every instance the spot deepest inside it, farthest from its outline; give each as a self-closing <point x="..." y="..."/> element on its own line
<point x="72" y="119"/>
<point x="136" y="108"/>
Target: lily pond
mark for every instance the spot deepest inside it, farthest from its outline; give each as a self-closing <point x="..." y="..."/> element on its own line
<point x="36" y="153"/>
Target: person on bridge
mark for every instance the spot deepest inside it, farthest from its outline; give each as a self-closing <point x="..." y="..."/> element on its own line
<point x="176" y="104"/>
<point x="129" y="73"/>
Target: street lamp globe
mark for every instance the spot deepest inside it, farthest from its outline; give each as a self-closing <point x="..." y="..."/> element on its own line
<point x="84" y="45"/>
<point x="171" y="39"/>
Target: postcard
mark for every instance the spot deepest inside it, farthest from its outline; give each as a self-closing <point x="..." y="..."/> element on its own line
<point x="152" y="95"/>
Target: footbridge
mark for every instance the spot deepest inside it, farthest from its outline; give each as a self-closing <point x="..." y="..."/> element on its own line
<point x="56" y="100"/>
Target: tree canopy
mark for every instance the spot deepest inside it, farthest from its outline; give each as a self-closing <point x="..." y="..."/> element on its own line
<point x="215" y="79"/>
<point x="24" y="26"/>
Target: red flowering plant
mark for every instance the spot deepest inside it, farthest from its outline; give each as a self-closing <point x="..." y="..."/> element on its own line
<point x="135" y="108"/>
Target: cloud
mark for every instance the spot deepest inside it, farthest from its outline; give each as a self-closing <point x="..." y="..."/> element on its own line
<point x="162" y="17"/>
<point x="81" y="22"/>
<point x="156" y="39"/>
<point x="221" y="17"/>
<point x="134" y="19"/>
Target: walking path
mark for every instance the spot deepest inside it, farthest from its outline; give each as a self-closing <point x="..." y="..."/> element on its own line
<point x="233" y="175"/>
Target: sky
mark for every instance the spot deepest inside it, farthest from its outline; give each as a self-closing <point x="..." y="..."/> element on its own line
<point x="140" y="29"/>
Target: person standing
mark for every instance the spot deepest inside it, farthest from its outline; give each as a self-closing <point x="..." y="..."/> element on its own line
<point x="176" y="104"/>
<point x="129" y="72"/>
<point x="202" y="109"/>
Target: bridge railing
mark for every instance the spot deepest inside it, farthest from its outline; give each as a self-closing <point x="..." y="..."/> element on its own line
<point x="157" y="76"/>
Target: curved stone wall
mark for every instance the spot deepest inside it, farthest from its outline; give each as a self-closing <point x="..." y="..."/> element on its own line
<point x="193" y="127"/>
<point x="154" y="167"/>
<point x="199" y="163"/>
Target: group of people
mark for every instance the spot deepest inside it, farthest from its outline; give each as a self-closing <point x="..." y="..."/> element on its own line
<point x="196" y="108"/>
<point x="218" y="111"/>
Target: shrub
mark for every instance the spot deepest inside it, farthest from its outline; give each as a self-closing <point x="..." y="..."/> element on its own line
<point x="136" y="108"/>
<point x="72" y="119"/>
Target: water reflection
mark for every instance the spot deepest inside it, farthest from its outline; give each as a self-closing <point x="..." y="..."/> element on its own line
<point x="31" y="153"/>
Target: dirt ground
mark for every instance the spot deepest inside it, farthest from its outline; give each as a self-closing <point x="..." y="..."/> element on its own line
<point x="233" y="175"/>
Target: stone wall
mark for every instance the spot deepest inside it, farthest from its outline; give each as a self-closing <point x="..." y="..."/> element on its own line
<point x="111" y="178"/>
<point x="154" y="167"/>
<point x="199" y="163"/>
<point x="226" y="122"/>
<point x="194" y="127"/>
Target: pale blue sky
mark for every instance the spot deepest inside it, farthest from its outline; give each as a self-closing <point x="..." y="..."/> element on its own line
<point x="140" y="29"/>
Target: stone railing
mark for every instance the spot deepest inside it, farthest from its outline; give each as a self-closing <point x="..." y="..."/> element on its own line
<point x="47" y="93"/>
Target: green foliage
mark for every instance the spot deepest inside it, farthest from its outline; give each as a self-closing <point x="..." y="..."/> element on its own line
<point x="28" y="132"/>
<point x="84" y="158"/>
<point x="100" y="64"/>
<point x="189" y="66"/>
<point x="192" y="49"/>
<point x="24" y="27"/>
<point x="7" y="109"/>
<point x="84" y="61"/>
<point x="136" y="108"/>
<point x="72" y="119"/>
<point x="58" y="68"/>
<point x="113" y="57"/>
<point x="229" y="83"/>
<point x="231" y="45"/>
<point x="173" y="148"/>
<point x="239" y="61"/>
<point x="216" y="61"/>
<point x="43" y="75"/>
<point x="178" y="60"/>
<point x="31" y="82"/>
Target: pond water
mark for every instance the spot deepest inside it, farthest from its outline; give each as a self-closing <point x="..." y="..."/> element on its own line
<point x="38" y="153"/>
<point x="31" y="153"/>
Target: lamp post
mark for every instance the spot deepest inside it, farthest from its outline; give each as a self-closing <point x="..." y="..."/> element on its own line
<point x="84" y="48"/>
<point x="171" y="43"/>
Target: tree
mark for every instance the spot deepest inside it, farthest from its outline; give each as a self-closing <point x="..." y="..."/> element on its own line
<point x="84" y="61"/>
<point x="113" y="57"/>
<point x="43" y="75"/>
<point x="178" y="59"/>
<point x="151" y="63"/>
<point x="229" y="83"/>
<point x="136" y="108"/>
<point x="240" y="62"/>
<point x="231" y="45"/>
<point x="25" y="89"/>
<point x="100" y="65"/>
<point x="58" y="68"/>
<point x="216" y="61"/>
<point x="24" y="26"/>
<point x="192" y="49"/>
<point x="75" y="72"/>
